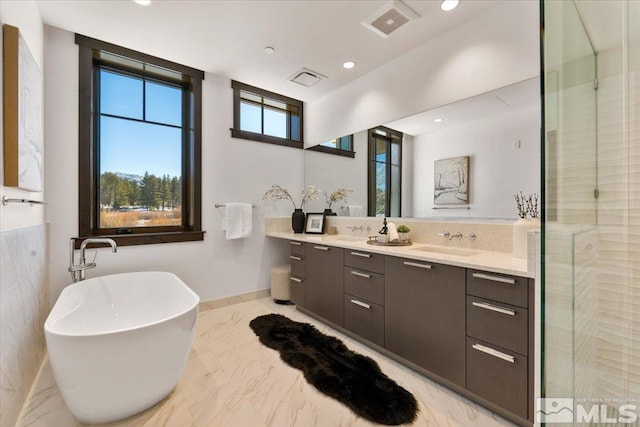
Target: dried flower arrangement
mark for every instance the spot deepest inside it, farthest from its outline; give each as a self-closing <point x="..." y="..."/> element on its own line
<point x="527" y="205"/>
<point x="336" y="195"/>
<point x="278" y="193"/>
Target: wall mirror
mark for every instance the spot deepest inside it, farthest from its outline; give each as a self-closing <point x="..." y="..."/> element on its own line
<point x="499" y="132"/>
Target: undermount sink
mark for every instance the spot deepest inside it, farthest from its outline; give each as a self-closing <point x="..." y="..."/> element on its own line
<point x="447" y="251"/>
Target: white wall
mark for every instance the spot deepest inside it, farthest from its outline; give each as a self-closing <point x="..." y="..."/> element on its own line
<point x="232" y="170"/>
<point x="330" y="172"/>
<point x="495" y="49"/>
<point x="26" y="17"/>
<point x="24" y="286"/>
<point x="497" y="170"/>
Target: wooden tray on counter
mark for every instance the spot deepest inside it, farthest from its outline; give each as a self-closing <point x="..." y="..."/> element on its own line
<point x="373" y="240"/>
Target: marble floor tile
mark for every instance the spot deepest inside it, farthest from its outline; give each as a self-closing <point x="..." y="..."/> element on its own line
<point x="232" y="380"/>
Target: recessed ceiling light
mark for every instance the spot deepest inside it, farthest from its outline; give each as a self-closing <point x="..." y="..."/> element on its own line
<point x="438" y="120"/>
<point x="349" y="65"/>
<point x="448" y="5"/>
<point x="269" y="50"/>
<point x="143" y="2"/>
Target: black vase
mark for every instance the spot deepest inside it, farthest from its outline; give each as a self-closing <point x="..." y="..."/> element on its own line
<point x="329" y="212"/>
<point x="297" y="221"/>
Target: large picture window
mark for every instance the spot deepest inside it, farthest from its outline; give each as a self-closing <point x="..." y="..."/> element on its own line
<point x="264" y="116"/>
<point x="140" y="148"/>
<point x="385" y="172"/>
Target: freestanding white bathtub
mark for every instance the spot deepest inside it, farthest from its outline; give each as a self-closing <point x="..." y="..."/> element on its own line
<point x="118" y="344"/>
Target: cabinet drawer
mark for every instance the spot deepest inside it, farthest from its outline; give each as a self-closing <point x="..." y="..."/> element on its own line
<point x="498" y="376"/>
<point x="297" y="248"/>
<point x="364" y="318"/>
<point x="298" y="265"/>
<point x="364" y="284"/>
<point x="497" y="323"/>
<point x="497" y="287"/>
<point x="364" y="260"/>
<point x="298" y="291"/>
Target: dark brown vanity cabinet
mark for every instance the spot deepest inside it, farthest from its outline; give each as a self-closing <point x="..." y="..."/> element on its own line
<point x="364" y="295"/>
<point x="472" y="330"/>
<point x="298" y="273"/>
<point x="500" y="340"/>
<point x="324" y="282"/>
<point x="425" y="315"/>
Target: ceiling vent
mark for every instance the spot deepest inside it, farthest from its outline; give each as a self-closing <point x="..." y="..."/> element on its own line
<point x="392" y="15"/>
<point x="306" y="77"/>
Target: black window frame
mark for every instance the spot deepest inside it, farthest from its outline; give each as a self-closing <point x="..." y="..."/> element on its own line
<point x="334" y="150"/>
<point x="94" y="54"/>
<point x="236" y="132"/>
<point x="392" y="137"/>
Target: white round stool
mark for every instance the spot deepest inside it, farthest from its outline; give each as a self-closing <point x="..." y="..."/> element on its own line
<point x="280" y="286"/>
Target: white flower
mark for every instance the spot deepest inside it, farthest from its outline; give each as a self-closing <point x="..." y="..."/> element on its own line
<point x="336" y="196"/>
<point x="278" y="193"/>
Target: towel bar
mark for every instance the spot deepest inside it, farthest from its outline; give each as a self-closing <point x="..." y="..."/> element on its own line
<point x="6" y="200"/>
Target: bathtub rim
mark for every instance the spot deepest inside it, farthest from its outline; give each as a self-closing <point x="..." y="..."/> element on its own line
<point x="48" y="324"/>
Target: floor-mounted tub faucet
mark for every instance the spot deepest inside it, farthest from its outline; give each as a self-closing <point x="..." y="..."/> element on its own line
<point x="78" y="271"/>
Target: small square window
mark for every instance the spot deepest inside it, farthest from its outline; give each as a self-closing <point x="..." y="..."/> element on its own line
<point x="264" y="116"/>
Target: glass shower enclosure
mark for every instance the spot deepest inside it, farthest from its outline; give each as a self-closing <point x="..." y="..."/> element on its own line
<point x="591" y="237"/>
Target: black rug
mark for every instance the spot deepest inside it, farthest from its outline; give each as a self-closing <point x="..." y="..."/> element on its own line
<point x="332" y="368"/>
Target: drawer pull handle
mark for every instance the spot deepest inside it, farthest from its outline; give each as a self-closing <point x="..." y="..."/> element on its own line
<point x="415" y="264"/>
<point x="322" y="248"/>
<point x="494" y="278"/>
<point x="356" y="273"/>
<point x="360" y="303"/>
<point x="361" y="254"/>
<point x="494" y="308"/>
<point x="297" y="258"/>
<point x="296" y="243"/>
<point x="494" y="353"/>
<point x="295" y="279"/>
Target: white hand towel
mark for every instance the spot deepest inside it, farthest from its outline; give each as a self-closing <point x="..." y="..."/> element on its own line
<point x="355" y="210"/>
<point x="237" y="222"/>
<point x="392" y="231"/>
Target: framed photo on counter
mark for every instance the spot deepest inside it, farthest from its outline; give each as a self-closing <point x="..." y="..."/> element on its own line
<point x="314" y="223"/>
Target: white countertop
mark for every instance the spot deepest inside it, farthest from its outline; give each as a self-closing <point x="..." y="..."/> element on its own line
<point x="496" y="262"/>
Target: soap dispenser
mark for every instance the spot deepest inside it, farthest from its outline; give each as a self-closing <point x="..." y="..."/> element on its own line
<point x="383" y="236"/>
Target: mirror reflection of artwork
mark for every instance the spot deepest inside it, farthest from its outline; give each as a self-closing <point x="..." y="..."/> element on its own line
<point x="451" y="181"/>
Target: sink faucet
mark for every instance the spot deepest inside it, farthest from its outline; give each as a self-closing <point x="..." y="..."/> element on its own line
<point x="78" y="271"/>
<point x="450" y="236"/>
<point x="359" y="227"/>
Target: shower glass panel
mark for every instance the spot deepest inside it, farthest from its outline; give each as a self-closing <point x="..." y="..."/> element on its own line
<point x="591" y="253"/>
<point x="570" y="206"/>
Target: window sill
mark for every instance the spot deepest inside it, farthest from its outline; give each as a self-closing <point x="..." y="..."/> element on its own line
<point x="329" y="150"/>
<point x="235" y="133"/>
<point x="147" y="238"/>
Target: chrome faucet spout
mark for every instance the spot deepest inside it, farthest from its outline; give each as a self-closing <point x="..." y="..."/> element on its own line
<point x="78" y="271"/>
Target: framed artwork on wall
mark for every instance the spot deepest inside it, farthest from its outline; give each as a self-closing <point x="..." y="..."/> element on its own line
<point x="451" y="181"/>
<point x="22" y="110"/>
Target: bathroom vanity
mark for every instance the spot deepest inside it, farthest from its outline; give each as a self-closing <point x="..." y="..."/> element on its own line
<point x="462" y="318"/>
